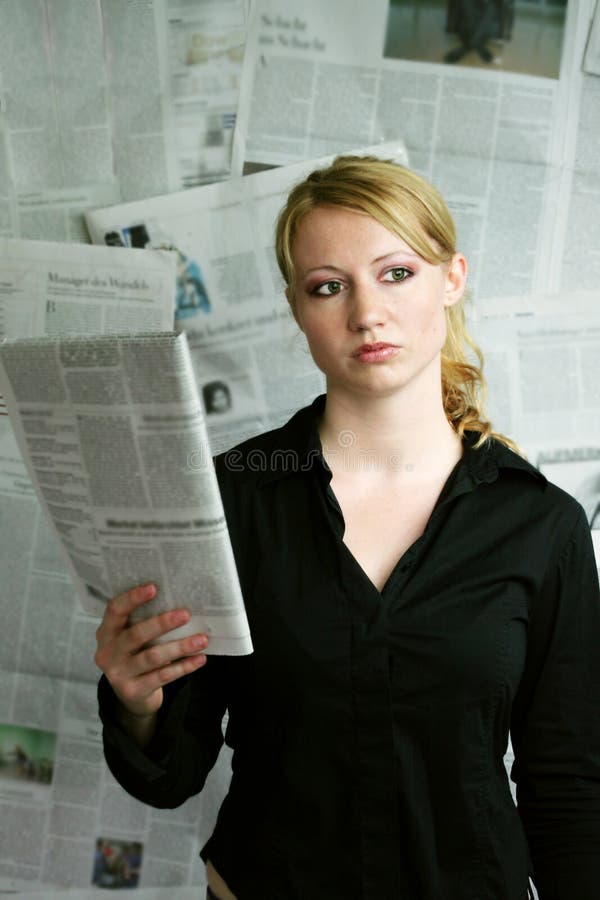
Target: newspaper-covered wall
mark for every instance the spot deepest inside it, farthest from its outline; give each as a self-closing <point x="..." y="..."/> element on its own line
<point x="515" y="153"/>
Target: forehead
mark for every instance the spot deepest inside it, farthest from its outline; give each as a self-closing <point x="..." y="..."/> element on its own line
<point x="332" y="227"/>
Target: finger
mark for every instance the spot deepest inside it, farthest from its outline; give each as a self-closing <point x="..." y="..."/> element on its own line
<point x="123" y="669"/>
<point x="135" y="637"/>
<point x="120" y="657"/>
<point x="158" y="656"/>
<point x="119" y="608"/>
<point x="139" y="689"/>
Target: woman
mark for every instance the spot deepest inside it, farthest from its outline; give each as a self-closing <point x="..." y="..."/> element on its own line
<point x="415" y="589"/>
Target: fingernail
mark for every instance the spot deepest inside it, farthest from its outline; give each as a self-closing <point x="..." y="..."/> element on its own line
<point x="199" y="641"/>
<point x="180" y="617"/>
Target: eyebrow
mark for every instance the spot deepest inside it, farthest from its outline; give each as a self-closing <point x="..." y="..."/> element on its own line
<point x="378" y="259"/>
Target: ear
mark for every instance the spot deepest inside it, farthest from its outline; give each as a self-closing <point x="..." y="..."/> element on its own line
<point x="455" y="279"/>
<point x="290" y="299"/>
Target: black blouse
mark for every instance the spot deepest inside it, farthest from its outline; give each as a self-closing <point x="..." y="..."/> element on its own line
<point x="369" y="728"/>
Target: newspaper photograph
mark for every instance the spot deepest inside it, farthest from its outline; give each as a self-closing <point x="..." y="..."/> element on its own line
<point x="112" y="431"/>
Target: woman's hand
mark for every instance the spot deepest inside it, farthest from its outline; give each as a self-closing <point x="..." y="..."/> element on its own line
<point x="136" y="671"/>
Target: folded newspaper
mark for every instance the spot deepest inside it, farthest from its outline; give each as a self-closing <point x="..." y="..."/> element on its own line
<point x="113" y="434"/>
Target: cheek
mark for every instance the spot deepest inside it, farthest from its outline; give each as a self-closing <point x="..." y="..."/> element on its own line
<point x="318" y="326"/>
<point x="434" y="324"/>
<point x="322" y="340"/>
<point x="318" y="341"/>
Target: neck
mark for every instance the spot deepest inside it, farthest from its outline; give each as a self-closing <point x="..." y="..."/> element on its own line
<point x="393" y="433"/>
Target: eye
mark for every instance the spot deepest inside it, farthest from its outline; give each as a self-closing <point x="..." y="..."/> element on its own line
<point x="398" y="273"/>
<point x="327" y="288"/>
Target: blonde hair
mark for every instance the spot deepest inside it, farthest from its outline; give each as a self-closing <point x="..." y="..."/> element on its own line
<point x="415" y="211"/>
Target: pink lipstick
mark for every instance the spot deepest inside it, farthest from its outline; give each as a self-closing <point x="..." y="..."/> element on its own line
<point x="379" y="352"/>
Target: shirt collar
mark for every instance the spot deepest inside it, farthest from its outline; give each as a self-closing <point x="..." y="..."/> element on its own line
<point x="296" y="447"/>
<point x="483" y="463"/>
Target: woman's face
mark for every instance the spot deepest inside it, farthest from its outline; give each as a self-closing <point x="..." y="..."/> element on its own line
<point x="372" y="309"/>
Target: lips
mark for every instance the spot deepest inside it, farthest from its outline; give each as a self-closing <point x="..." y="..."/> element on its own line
<point x="378" y="352"/>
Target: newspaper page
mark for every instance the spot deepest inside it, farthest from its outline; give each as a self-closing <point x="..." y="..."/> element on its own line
<point x="489" y="134"/>
<point x="542" y="364"/>
<point x="180" y="63"/>
<point x="57" y="214"/>
<point x="576" y="254"/>
<point x="345" y="73"/>
<point x="55" y="116"/>
<point x="591" y="60"/>
<point x="49" y="288"/>
<point x="102" y="101"/>
<point x="113" y="434"/>
<point x="252" y="365"/>
<point x="568" y="252"/>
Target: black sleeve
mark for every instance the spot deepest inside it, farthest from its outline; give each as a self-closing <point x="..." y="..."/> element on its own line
<point x="556" y="726"/>
<point x="186" y="743"/>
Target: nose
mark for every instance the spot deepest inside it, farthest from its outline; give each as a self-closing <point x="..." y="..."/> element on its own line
<point x="367" y="311"/>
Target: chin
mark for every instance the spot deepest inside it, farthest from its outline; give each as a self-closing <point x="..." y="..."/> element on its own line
<point x="368" y="387"/>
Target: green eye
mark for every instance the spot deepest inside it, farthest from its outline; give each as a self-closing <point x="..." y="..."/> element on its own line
<point x="328" y="288"/>
<point x="398" y="273"/>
